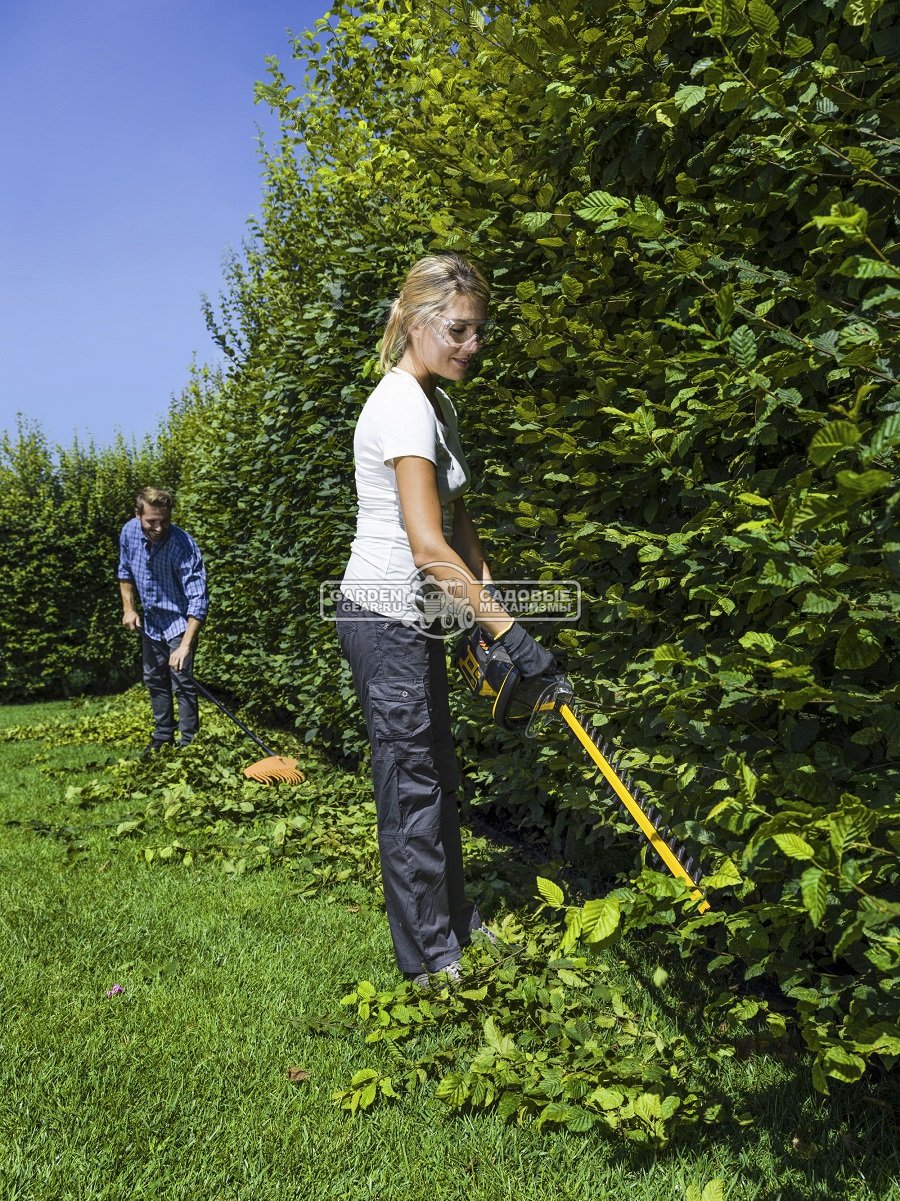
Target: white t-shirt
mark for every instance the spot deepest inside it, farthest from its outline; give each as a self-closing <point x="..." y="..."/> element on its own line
<point x="397" y="419"/>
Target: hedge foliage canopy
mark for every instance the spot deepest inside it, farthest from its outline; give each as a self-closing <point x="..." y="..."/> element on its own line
<point x="687" y="213"/>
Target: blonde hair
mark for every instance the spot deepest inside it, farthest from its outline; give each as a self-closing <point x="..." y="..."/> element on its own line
<point x="428" y="289"/>
<point x="154" y="498"/>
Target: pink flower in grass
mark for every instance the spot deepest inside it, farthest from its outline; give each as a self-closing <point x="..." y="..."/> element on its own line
<point x="115" y="990"/>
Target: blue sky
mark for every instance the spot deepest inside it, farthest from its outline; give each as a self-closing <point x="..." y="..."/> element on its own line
<point x="129" y="169"/>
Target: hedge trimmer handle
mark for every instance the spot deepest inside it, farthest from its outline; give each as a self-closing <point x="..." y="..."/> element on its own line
<point x="490" y="672"/>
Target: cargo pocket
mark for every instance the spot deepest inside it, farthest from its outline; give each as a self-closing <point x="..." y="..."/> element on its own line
<point x="400" y="713"/>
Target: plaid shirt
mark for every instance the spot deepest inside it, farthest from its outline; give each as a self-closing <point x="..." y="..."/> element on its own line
<point x="169" y="576"/>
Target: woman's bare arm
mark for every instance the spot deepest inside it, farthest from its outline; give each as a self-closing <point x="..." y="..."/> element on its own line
<point x="457" y="572"/>
<point x="467" y="544"/>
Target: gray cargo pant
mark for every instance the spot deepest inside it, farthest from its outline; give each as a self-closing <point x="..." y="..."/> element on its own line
<point x="400" y="676"/>
<point x="161" y="680"/>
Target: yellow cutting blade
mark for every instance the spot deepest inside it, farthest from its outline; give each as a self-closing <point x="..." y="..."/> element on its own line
<point x="641" y="819"/>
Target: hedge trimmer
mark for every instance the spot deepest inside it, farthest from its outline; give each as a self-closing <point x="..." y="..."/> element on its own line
<point x="526" y="705"/>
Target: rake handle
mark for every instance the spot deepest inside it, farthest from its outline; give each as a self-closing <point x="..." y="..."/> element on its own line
<point x="237" y="721"/>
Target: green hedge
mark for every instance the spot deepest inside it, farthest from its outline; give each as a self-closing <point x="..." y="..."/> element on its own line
<point x="685" y="213"/>
<point x="61" y="510"/>
<point x="687" y="216"/>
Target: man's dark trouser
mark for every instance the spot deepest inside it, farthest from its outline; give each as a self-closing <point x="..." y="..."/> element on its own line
<point x="161" y="680"/>
<point x="400" y="676"/>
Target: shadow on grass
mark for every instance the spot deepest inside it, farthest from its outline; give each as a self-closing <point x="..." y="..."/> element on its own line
<point x="815" y="1146"/>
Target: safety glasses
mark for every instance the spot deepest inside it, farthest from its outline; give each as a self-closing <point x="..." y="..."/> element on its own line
<point x="459" y="332"/>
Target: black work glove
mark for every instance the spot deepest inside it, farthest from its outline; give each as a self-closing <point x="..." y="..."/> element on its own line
<point x="528" y="656"/>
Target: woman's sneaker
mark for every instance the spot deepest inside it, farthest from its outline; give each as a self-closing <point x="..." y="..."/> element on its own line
<point x="450" y="975"/>
<point x="484" y="933"/>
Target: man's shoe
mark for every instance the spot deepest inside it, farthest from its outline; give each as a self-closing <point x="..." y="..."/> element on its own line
<point x="155" y="744"/>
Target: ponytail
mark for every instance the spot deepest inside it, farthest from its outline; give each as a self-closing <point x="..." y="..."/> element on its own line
<point x="393" y="343"/>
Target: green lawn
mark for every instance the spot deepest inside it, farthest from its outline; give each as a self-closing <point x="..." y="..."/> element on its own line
<point x="178" y="1087"/>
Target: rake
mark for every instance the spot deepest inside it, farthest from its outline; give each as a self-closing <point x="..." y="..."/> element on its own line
<point x="273" y="767"/>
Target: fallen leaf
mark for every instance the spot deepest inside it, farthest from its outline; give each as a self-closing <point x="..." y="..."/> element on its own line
<point x="297" y="1075"/>
<point x="803" y="1149"/>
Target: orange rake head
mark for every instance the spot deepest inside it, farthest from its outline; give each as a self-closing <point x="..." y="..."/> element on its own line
<point x="275" y="767"/>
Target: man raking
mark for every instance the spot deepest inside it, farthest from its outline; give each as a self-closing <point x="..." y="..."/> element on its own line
<point x="161" y="566"/>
